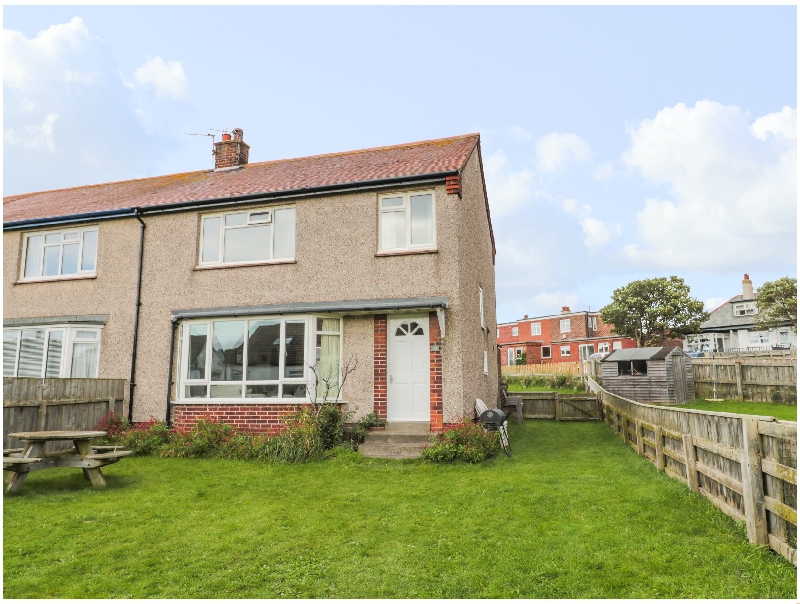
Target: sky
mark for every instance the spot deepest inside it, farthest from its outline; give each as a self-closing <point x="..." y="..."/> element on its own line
<point x="619" y="143"/>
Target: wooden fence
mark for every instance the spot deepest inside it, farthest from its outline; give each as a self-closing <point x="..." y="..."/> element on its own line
<point x="763" y="379"/>
<point x="32" y="405"/>
<point x="560" y="407"/>
<point x="542" y="369"/>
<point x="745" y="464"/>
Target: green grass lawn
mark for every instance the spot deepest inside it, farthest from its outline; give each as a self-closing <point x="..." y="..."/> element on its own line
<point x="575" y="513"/>
<point x="772" y="409"/>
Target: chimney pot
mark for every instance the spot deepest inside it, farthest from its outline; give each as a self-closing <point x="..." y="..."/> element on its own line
<point x="525" y="317"/>
<point x="226" y="137"/>
<point x="565" y="310"/>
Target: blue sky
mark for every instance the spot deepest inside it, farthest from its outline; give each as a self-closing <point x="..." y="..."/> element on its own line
<point x="619" y="142"/>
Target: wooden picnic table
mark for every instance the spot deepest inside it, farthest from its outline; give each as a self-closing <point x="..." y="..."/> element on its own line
<point x="85" y="456"/>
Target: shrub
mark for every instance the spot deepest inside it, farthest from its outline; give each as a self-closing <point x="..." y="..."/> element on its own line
<point x="465" y="441"/>
<point x="114" y="425"/>
<point x="331" y="425"/>
<point x="356" y="434"/>
<point x="146" y="438"/>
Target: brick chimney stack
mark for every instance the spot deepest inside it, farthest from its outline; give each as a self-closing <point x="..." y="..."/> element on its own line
<point x="231" y="152"/>
<point x="747" y="288"/>
<point x="565" y="310"/>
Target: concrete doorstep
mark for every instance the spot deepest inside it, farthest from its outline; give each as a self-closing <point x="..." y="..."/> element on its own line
<point x="400" y="440"/>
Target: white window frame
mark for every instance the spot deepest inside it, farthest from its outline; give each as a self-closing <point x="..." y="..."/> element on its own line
<point x="78" y="275"/>
<point x="480" y="301"/>
<point x="744" y="309"/>
<point x="407" y="207"/>
<point x="549" y="352"/>
<point x="781" y="334"/>
<point x="602" y="347"/>
<point x="536" y="329"/>
<point x="222" y="229"/>
<point x="515" y="331"/>
<point x="70" y="338"/>
<point x="616" y="345"/>
<point x="310" y="355"/>
<point x="564" y="325"/>
<point x="485" y="363"/>
<point x="758" y="338"/>
<point x="568" y="348"/>
<point x="511" y="356"/>
<point x="594" y="323"/>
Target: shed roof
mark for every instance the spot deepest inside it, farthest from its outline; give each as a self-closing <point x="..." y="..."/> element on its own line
<point x="432" y="157"/>
<point x="648" y="353"/>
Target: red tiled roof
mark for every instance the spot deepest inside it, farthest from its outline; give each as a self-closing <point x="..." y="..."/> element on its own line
<point x="411" y="159"/>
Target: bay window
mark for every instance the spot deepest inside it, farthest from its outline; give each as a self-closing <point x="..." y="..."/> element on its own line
<point x="247" y="237"/>
<point x="407" y="221"/>
<point x="58" y="351"/>
<point x="59" y="254"/>
<point x="259" y="357"/>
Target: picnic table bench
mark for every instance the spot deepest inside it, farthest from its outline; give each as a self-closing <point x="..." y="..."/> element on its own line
<point x="21" y="461"/>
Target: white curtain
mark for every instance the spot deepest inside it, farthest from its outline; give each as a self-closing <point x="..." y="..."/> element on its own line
<point x="84" y="360"/>
<point x="328" y="362"/>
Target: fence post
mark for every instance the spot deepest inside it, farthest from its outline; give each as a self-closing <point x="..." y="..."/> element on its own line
<point x="753" y="484"/>
<point x="659" y="447"/>
<point x="558" y="408"/>
<point x="737" y="369"/>
<point x="42" y="416"/>
<point x="691" y="468"/>
<point x="639" y="441"/>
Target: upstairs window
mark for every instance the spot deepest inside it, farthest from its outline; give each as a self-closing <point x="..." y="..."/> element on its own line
<point x="515" y="331"/>
<point x="407" y="221"/>
<point x="741" y="310"/>
<point x="564" y="323"/>
<point x="480" y="302"/>
<point x="594" y="323"/>
<point x="247" y="237"/>
<point x="536" y="329"/>
<point x="59" y="254"/>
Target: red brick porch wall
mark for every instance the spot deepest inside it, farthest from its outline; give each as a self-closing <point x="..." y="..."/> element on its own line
<point x="252" y="417"/>
<point x="380" y="388"/>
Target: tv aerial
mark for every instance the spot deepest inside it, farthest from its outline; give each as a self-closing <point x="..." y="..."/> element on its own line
<point x="213" y="139"/>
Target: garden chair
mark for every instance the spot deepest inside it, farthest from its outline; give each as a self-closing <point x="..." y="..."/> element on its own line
<point x="512" y="403"/>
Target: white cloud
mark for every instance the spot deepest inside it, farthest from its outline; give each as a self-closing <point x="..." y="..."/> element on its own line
<point x="733" y="193"/>
<point x="507" y="190"/>
<point x="34" y="135"/>
<point x="780" y="124"/>
<point x="712" y="303"/>
<point x="605" y="171"/>
<point x="521" y="134"/>
<point x="598" y="234"/>
<point x="555" y="149"/>
<point x="167" y="77"/>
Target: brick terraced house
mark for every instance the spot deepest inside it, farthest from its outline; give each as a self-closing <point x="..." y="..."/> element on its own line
<point x="249" y="273"/>
<point x="566" y="337"/>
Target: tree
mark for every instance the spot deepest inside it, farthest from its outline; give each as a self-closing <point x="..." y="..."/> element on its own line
<point x="777" y="304"/>
<point x="652" y="310"/>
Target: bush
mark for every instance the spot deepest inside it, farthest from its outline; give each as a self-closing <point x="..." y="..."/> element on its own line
<point x="356" y="434"/>
<point x="146" y="438"/>
<point x="331" y="425"/>
<point x="114" y="425"/>
<point x="465" y="441"/>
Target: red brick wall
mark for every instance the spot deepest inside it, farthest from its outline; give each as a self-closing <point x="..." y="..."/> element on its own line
<point x="250" y="417"/>
<point x="437" y="412"/>
<point x="228" y="154"/>
<point x="379" y="365"/>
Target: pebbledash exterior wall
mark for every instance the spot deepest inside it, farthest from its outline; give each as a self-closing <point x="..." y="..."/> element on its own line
<point x="551" y="335"/>
<point x="336" y="252"/>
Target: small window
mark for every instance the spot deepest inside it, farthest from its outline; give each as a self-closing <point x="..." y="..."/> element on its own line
<point x="565" y="351"/>
<point x="623" y="367"/>
<point x="759" y="337"/>
<point x="594" y="323"/>
<point x="536" y="329"/>
<point x="617" y="345"/>
<point x="247" y="237"/>
<point x="511" y="356"/>
<point x="783" y="337"/>
<point x="485" y="363"/>
<point x="602" y="347"/>
<point x="407" y="221"/>
<point x="480" y="302"/>
<point x="564" y="323"/>
<point x="58" y="254"/>
<point x="51" y="352"/>
<point x="747" y="308"/>
<point x="515" y="331"/>
<point x="639" y="367"/>
<point x="545" y="352"/>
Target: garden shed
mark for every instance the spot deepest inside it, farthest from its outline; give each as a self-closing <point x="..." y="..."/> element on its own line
<point x="659" y="374"/>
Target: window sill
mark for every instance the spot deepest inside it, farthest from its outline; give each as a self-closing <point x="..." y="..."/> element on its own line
<point x="406" y="252"/>
<point x="242" y="264"/>
<point x="51" y="279"/>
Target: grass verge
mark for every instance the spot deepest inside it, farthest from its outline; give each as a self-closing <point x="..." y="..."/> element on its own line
<point x="573" y="514"/>
<point x="788" y="412"/>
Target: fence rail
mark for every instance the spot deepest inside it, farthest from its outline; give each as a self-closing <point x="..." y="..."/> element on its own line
<point x="745" y="465"/>
<point x="753" y="379"/>
<point x="33" y="405"/>
<point x="543" y="369"/>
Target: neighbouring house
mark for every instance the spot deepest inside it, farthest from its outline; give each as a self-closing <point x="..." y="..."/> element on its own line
<point x="567" y="337"/>
<point x="213" y="291"/>
<point x="731" y="328"/>
<point x="654" y="374"/>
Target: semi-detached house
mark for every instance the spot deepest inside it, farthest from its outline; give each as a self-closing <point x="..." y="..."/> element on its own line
<point x="248" y="273"/>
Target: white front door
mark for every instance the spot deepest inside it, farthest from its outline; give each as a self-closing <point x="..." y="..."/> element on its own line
<point x="409" y="396"/>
